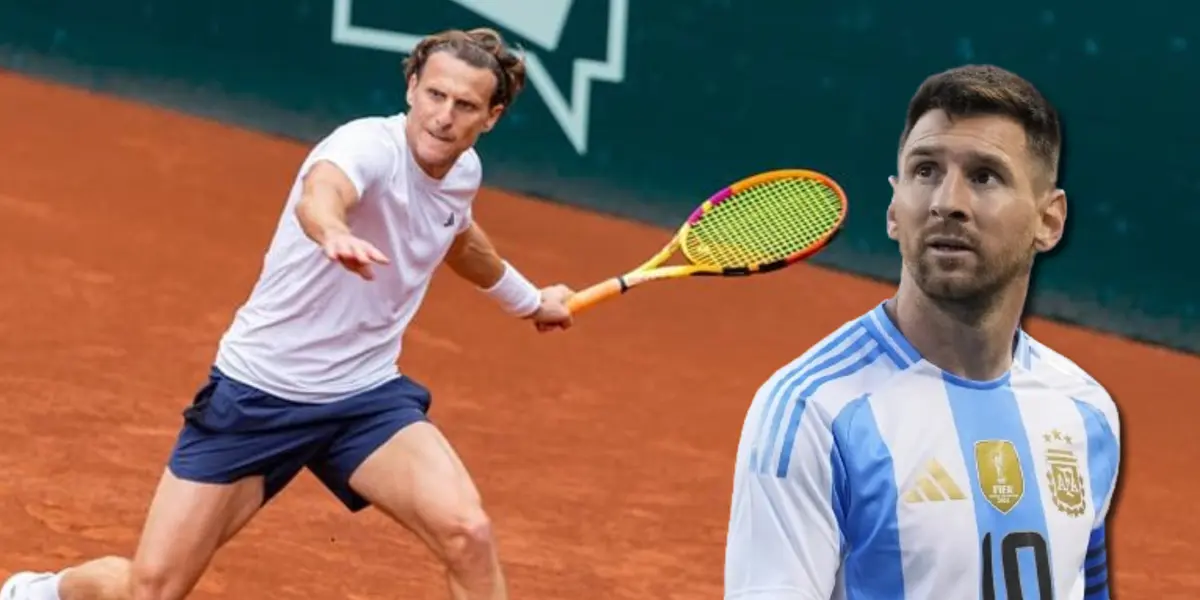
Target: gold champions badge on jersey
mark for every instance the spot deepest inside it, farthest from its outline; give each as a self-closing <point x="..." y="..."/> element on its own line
<point x="1000" y="476"/>
<point x="1062" y="474"/>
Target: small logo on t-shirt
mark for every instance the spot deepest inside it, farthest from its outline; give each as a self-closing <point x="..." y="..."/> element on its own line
<point x="449" y="221"/>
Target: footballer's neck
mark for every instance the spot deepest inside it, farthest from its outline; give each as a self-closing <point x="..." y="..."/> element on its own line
<point x="973" y="340"/>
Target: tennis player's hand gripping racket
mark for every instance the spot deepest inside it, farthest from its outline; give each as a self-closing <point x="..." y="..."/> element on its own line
<point x="760" y="224"/>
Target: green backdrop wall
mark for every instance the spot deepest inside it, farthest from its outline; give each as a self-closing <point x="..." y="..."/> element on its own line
<point x="640" y="108"/>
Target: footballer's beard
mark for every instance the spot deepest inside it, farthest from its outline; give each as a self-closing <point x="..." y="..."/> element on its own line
<point x="976" y="284"/>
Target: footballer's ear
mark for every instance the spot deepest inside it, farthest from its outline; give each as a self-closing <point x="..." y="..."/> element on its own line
<point x="891" y="212"/>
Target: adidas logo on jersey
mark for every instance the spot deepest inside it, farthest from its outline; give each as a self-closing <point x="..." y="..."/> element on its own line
<point x="933" y="485"/>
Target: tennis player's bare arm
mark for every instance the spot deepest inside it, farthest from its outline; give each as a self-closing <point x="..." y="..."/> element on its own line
<point x="327" y="196"/>
<point x="473" y="257"/>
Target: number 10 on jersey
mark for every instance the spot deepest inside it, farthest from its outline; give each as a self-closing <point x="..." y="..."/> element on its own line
<point x="1010" y="545"/>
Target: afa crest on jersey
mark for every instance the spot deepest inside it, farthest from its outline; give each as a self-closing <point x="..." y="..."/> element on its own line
<point x="1062" y="474"/>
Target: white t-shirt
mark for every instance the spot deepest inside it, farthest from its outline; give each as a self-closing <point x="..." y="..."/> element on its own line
<point x="311" y="331"/>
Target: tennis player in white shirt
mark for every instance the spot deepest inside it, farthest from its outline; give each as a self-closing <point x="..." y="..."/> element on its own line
<point x="306" y="376"/>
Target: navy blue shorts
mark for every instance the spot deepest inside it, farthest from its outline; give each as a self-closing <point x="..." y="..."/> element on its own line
<point x="232" y="431"/>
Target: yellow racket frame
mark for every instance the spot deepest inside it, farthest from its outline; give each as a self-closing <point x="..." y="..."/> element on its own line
<point x="653" y="269"/>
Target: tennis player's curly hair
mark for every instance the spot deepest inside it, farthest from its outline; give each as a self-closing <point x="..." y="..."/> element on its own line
<point x="972" y="90"/>
<point x="482" y="48"/>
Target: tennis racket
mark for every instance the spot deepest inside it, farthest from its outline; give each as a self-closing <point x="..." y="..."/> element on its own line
<point x="760" y="224"/>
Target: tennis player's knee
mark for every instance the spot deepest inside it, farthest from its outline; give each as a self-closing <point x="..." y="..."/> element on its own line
<point x="149" y="580"/>
<point x="155" y="578"/>
<point x="466" y="539"/>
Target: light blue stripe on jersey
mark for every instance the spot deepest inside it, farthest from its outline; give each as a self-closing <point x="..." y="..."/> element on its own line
<point x="874" y="567"/>
<point x="988" y="411"/>
<point x="865" y="357"/>
<point x="899" y="350"/>
<point x="1103" y="456"/>
<point x="889" y="349"/>
<point x="851" y="340"/>
<point x="1103" y="453"/>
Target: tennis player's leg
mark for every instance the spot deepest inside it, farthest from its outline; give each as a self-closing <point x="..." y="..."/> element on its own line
<point x="395" y="459"/>
<point x="185" y="525"/>
<point x="418" y="480"/>
<point x="105" y="578"/>
<point x="238" y="448"/>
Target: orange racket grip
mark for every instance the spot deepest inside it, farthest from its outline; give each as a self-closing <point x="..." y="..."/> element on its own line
<point x="595" y="294"/>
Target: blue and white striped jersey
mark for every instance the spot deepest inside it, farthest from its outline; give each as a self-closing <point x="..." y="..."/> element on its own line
<point x="865" y="472"/>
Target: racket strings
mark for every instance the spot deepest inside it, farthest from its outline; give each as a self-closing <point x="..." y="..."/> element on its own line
<point x="765" y="223"/>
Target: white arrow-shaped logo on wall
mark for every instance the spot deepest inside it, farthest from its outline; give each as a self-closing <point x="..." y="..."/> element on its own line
<point x="542" y="22"/>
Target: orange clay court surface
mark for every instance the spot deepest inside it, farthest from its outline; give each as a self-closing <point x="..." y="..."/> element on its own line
<point x="128" y="235"/>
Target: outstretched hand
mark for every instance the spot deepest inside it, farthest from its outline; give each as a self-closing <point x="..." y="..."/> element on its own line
<point x="355" y="254"/>
<point x="553" y="313"/>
